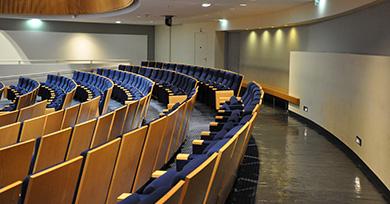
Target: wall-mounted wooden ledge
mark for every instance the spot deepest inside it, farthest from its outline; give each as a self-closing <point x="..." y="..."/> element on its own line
<point x="62" y="7"/>
<point x="277" y="92"/>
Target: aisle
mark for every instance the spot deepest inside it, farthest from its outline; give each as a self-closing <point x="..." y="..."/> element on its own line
<point x="288" y="161"/>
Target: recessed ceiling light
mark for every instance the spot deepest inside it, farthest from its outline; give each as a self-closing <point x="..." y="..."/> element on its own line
<point x="205" y="5"/>
<point x="35" y="23"/>
<point x="118" y="22"/>
<point x="243" y="4"/>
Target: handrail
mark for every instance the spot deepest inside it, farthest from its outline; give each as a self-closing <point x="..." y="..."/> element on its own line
<point x="277" y="92"/>
<point x="58" y="61"/>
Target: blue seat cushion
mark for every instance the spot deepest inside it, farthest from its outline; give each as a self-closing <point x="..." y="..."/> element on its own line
<point x="166" y="180"/>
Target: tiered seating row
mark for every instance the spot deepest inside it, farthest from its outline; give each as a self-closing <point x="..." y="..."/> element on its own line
<point x="21" y="95"/>
<point x="171" y="87"/>
<point x="207" y="175"/>
<point x="118" y="161"/>
<point x="58" y="90"/>
<point x="213" y="83"/>
<point x="128" y="86"/>
<point x="91" y="86"/>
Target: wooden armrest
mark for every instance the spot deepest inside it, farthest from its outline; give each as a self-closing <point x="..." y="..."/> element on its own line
<point x="205" y="133"/>
<point x="197" y="142"/>
<point x="213" y="124"/>
<point x="158" y="173"/>
<point x="123" y="196"/>
<point x="238" y="98"/>
<point x="171" y="94"/>
<point x="165" y="110"/>
<point x="161" y="115"/>
<point x="218" y="117"/>
<point x="182" y="157"/>
<point x="215" y="89"/>
<point x="221" y="111"/>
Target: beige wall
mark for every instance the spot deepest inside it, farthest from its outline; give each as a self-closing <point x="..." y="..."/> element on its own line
<point x="347" y="95"/>
<point x="183" y="42"/>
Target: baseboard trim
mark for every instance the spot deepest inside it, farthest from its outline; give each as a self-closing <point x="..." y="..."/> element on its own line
<point x="379" y="185"/>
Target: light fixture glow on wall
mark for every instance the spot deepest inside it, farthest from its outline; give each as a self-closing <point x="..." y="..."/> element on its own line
<point x="224" y="23"/>
<point x="34" y="23"/>
<point x="243" y="4"/>
<point x="205" y="5"/>
<point x="118" y="22"/>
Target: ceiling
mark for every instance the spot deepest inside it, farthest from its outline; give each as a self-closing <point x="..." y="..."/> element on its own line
<point x="186" y="11"/>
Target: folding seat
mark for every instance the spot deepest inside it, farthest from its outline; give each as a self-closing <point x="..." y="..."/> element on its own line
<point x="58" y="184"/>
<point x="152" y="64"/>
<point x="81" y="139"/>
<point x="97" y="173"/>
<point x="179" y="68"/>
<point x="15" y="162"/>
<point x="191" y="70"/>
<point x="172" y="67"/>
<point x="165" y="66"/>
<point x="148" y="72"/>
<point x="70" y="116"/>
<point x="136" y="69"/>
<point x="142" y="71"/>
<point x="144" y="63"/>
<point x="185" y="69"/>
<point x="158" y="65"/>
<point x="237" y="80"/>
<point x="53" y="122"/>
<point x="159" y="75"/>
<point x="11" y="193"/>
<point x="197" y="72"/>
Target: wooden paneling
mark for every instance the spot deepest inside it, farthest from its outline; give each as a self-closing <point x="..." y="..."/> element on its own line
<point x="55" y="185"/>
<point x="277" y="92"/>
<point x="61" y="7"/>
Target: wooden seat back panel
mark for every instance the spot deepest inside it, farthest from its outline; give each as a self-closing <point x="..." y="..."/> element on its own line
<point x="119" y="119"/>
<point x="10" y="193"/>
<point x="173" y="196"/>
<point x="149" y="152"/>
<point x="102" y="130"/>
<point x="81" y="138"/>
<point x="97" y="173"/>
<point x="8" y="118"/>
<point x="53" y="122"/>
<point x="130" y="117"/>
<point x="15" y="162"/>
<point x="52" y="149"/>
<point x="9" y="134"/>
<point x="33" y="128"/>
<point x="54" y="185"/>
<point x="70" y="116"/>
<point x="127" y="163"/>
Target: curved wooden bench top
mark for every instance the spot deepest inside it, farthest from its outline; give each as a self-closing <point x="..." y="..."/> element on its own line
<point x="277" y="92"/>
<point x="62" y="7"/>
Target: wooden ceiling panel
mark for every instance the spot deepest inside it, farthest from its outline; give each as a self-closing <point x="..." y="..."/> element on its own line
<point x="61" y="7"/>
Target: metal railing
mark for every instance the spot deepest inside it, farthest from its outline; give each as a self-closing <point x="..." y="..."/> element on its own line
<point x="65" y="61"/>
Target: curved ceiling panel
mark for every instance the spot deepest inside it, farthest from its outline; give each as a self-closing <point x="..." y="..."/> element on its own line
<point x="61" y="7"/>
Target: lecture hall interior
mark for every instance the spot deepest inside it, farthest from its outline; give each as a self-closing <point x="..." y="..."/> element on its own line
<point x="194" y="101"/>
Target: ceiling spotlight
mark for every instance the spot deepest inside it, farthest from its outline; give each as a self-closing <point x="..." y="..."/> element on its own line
<point x="118" y="22"/>
<point x="205" y="5"/>
<point x="243" y="4"/>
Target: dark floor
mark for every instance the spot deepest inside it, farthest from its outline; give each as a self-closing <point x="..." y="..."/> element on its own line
<point x="289" y="162"/>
